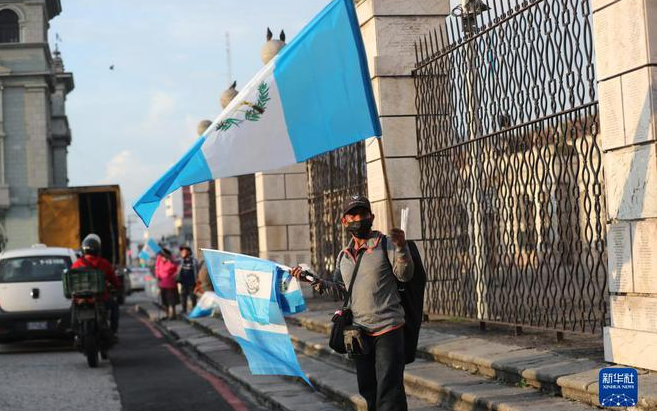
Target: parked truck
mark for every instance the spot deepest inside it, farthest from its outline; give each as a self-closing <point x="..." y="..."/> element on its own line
<point x="67" y="215"/>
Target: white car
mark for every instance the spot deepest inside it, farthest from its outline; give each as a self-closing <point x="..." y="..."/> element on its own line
<point x="138" y="277"/>
<point x="32" y="303"/>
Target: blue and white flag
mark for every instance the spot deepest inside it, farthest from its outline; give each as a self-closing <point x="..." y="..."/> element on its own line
<point x="150" y="249"/>
<point x="251" y="296"/>
<point x="314" y="96"/>
<point x="208" y="302"/>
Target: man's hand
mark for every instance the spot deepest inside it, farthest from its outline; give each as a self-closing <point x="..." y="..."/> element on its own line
<point x="297" y="272"/>
<point x="398" y="237"/>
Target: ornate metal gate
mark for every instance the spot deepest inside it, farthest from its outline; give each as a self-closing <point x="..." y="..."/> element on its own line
<point x="247" y="214"/>
<point x="332" y="178"/>
<point x="511" y="166"/>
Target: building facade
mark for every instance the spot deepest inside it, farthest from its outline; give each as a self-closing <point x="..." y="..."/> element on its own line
<point x="522" y="140"/>
<point x="34" y="130"/>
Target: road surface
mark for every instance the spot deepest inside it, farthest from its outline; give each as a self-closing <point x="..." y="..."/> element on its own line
<point x="145" y="372"/>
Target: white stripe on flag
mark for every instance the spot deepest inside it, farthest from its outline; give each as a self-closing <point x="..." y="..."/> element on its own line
<point x="272" y="328"/>
<point x="232" y="317"/>
<point x="262" y="144"/>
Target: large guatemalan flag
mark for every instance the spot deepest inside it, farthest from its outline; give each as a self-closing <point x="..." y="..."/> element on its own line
<point x="254" y="295"/>
<point x="313" y="97"/>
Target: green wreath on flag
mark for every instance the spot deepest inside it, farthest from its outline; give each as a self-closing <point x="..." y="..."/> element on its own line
<point x="252" y="114"/>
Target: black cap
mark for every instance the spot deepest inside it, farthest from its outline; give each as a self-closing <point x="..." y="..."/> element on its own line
<point x="354" y="202"/>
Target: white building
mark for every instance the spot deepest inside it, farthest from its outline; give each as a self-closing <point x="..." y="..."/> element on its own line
<point x="34" y="130"/>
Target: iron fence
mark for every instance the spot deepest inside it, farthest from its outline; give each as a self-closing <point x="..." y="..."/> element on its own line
<point x="511" y="167"/>
<point x="247" y="214"/>
<point x="332" y="178"/>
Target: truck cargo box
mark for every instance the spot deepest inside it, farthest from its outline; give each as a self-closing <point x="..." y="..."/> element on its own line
<point x="67" y="215"/>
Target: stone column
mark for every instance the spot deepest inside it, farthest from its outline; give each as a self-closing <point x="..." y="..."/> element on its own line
<point x="228" y="219"/>
<point x="282" y="199"/>
<point x="226" y="192"/>
<point x="389" y="29"/>
<point x="625" y="44"/>
<point x="201" y="216"/>
<point x="282" y="208"/>
<point x="203" y="209"/>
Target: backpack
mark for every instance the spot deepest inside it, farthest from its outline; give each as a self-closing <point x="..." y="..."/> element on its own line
<point x="412" y="296"/>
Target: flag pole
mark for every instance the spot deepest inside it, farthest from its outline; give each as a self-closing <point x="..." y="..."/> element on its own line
<point x="389" y="201"/>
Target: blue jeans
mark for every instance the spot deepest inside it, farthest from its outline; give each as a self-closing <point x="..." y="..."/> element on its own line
<point x="380" y="373"/>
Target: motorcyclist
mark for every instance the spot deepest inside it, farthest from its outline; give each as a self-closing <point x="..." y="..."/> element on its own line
<point x="91" y="249"/>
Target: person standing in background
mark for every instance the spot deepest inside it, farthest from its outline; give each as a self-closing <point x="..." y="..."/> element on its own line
<point x="166" y="270"/>
<point x="187" y="275"/>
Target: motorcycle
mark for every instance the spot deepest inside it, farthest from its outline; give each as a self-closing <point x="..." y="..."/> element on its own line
<point x="89" y="315"/>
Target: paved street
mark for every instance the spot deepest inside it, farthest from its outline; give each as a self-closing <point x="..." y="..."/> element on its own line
<point x="145" y="373"/>
<point x="48" y="376"/>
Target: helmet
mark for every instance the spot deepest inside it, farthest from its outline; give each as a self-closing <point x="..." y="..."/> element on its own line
<point x="91" y="244"/>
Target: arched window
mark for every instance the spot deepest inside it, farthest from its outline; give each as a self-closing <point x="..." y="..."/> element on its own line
<point x="8" y="26"/>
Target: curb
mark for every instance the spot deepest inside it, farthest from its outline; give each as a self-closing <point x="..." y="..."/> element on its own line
<point x="241" y="375"/>
<point x="428" y="383"/>
<point x="569" y="378"/>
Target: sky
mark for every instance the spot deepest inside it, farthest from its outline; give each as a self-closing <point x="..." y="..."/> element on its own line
<point x="131" y="123"/>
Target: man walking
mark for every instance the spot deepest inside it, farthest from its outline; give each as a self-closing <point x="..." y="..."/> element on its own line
<point x="375" y="303"/>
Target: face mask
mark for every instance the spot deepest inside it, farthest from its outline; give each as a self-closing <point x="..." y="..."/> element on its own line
<point x="360" y="229"/>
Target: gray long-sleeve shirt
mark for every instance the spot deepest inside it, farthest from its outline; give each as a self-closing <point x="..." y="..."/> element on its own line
<point x="375" y="301"/>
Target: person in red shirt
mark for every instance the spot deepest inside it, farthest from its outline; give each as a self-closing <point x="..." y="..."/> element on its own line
<point x="166" y="271"/>
<point x="91" y="249"/>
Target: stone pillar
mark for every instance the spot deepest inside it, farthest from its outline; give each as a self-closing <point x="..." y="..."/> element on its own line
<point x="389" y="29"/>
<point x="282" y="199"/>
<point x="625" y="44"/>
<point x="226" y="192"/>
<point x="204" y="227"/>
<point x="282" y="208"/>
<point x="201" y="216"/>
<point x="228" y="219"/>
<point x="36" y="133"/>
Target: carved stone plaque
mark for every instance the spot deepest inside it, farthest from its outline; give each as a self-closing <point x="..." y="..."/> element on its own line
<point x="644" y="256"/>
<point x="620" y="268"/>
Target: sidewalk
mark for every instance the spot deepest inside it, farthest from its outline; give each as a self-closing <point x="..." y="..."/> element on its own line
<point x="568" y="368"/>
<point x="458" y="369"/>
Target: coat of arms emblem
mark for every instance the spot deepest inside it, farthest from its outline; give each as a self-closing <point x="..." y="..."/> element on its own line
<point x="252" y="281"/>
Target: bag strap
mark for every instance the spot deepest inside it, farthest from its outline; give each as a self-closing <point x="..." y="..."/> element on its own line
<point x="354" y="272"/>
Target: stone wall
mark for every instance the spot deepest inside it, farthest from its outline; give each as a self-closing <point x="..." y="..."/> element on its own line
<point x="625" y="44"/>
<point x="282" y="208"/>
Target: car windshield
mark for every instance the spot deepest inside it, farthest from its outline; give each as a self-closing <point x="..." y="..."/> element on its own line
<point x="39" y="268"/>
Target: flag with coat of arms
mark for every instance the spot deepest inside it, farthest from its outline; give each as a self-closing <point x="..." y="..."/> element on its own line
<point x="314" y="96"/>
<point x="254" y="295"/>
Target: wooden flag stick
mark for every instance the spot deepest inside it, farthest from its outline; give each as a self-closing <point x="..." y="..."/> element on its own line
<point x="389" y="201"/>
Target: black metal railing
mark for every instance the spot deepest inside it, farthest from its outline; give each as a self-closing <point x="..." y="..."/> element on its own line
<point x="248" y="216"/>
<point x="332" y="178"/>
<point x="511" y="167"/>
